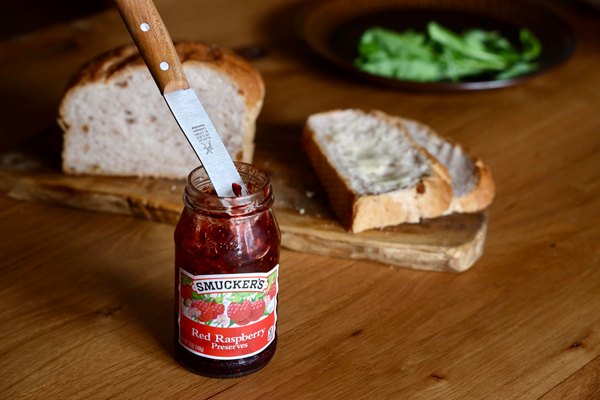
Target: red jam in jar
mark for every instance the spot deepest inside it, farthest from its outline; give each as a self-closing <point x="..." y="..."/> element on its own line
<point x="226" y="277"/>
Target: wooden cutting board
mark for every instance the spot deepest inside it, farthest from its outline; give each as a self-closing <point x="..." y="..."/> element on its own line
<point x="452" y="243"/>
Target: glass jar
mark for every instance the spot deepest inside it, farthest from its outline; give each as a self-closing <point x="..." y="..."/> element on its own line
<point x="226" y="277"/>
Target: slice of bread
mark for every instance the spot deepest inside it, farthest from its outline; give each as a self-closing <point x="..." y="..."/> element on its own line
<point x="375" y="174"/>
<point x="472" y="183"/>
<point x="116" y="122"/>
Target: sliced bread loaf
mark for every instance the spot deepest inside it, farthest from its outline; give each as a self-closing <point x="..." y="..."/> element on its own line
<point x="375" y="174"/>
<point x="116" y="122"/>
<point x="472" y="183"/>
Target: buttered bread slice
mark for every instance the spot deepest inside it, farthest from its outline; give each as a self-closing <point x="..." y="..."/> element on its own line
<point x="472" y="184"/>
<point x="375" y="174"/>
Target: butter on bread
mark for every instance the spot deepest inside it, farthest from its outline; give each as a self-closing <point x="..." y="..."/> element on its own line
<point x="374" y="173"/>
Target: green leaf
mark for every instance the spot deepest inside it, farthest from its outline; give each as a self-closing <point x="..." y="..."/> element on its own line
<point x="185" y="280"/>
<point x="451" y="69"/>
<point x="517" y="69"/>
<point x="455" y="42"/>
<point x="380" y="42"/>
<point x="367" y="49"/>
<point x="492" y="42"/>
<point x="470" y="67"/>
<point x="415" y="70"/>
<point x="239" y="297"/>
<point x="196" y="296"/>
<point x="531" y="45"/>
<point x="477" y="37"/>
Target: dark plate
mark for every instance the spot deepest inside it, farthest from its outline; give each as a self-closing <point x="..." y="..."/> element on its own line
<point x="333" y="28"/>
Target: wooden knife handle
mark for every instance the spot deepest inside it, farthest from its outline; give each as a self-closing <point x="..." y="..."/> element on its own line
<point x="154" y="42"/>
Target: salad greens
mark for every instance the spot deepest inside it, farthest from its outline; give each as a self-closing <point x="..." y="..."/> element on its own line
<point x="444" y="55"/>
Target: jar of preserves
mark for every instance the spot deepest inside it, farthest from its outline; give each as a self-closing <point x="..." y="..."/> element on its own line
<point x="226" y="277"/>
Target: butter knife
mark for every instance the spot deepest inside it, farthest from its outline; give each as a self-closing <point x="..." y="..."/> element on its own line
<point x="156" y="47"/>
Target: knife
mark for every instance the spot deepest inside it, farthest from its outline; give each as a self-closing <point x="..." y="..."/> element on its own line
<point x="156" y="47"/>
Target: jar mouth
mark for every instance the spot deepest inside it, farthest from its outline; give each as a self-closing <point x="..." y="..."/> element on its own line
<point x="199" y="193"/>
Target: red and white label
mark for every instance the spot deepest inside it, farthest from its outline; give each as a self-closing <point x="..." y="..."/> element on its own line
<point x="227" y="316"/>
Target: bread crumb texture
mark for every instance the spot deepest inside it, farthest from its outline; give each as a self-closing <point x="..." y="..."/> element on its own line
<point x="117" y="123"/>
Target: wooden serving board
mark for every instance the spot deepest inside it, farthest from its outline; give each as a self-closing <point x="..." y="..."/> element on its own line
<point x="451" y="243"/>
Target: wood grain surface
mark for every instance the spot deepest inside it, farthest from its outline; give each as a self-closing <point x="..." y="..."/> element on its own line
<point x="583" y="384"/>
<point x="86" y="298"/>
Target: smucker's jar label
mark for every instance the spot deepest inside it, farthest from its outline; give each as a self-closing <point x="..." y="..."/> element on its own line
<point x="227" y="316"/>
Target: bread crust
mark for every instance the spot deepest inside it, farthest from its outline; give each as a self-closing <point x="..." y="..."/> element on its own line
<point x="429" y="199"/>
<point x="482" y="195"/>
<point x="479" y="198"/>
<point x="123" y="60"/>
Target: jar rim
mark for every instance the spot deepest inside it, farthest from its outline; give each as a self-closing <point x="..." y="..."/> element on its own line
<point x="259" y="197"/>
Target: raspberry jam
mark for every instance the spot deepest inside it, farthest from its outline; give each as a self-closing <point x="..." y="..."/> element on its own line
<point x="226" y="277"/>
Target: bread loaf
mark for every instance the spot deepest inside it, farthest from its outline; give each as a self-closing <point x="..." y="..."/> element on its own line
<point x="472" y="183"/>
<point x="116" y="122"/>
<point x="374" y="173"/>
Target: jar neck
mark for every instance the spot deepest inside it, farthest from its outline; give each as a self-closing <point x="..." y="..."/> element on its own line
<point x="199" y="195"/>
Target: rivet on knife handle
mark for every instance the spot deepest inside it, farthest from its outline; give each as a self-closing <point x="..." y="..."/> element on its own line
<point x="152" y="38"/>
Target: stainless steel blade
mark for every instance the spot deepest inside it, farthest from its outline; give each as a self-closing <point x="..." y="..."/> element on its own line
<point x="202" y="135"/>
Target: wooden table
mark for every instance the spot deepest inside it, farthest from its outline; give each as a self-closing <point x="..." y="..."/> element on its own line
<point x="86" y="299"/>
